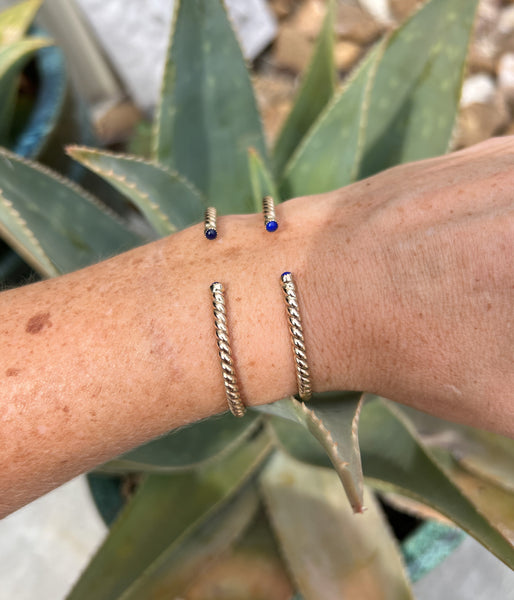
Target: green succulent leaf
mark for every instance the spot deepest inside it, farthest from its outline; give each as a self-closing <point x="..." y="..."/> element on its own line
<point x="261" y="180"/>
<point x="13" y="58"/>
<point x="165" y="198"/>
<point x="487" y="455"/>
<point x="208" y="117"/>
<point x="189" y="447"/>
<point x="416" y="90"/>
<point x="329" y="155"/>
<point x="165" y="522"/>
<point x="177" y="569"/>
<point x="206" y="567"/>
<point x="331" y="552"/>
<point x="51" y="222"/>
<point x="394" y="459"/>
<point x="333" y="422"/>
<point x="317" y="89"/>
<point x="15" y="20"/>
<point x="298" y="442"/>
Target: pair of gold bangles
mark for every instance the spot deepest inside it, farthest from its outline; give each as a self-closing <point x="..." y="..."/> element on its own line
<point x="233" y="395"/>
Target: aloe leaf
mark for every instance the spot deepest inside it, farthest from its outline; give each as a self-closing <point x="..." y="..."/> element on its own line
<point x="51" y="222"/>
<point x="165" y="198"/>
<point x="15" y="20"/>
<point x="163" y="519"/>
<point x="488" y="455"/>
<point x="329" y="155"/>
<point x="204" y="566"/>
<point x="394" y="459"/>
<point x="13" y="58"/>
<point x="317" y="89"/>
<point x="298" y="442"/>
<point x="208" y="117"/>
<point x="188" y="447"/>
<point x="331" y="552"/>
<point x="333" y="422"/>
<point x="494" y="502"/>
<point x="261" y="180"/>
<point x="416" y="90"/>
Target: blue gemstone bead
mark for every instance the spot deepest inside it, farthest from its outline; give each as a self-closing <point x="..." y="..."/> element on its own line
<point x="286" y="273"/>
<point x="211" y="234"/>
<point x="271" y="226"/>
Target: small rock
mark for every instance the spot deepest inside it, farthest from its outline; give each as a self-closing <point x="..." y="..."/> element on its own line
<point x="356" y="24"/>
<point x="379" y="10"/>
<point x="506" y="76"/>
<point x="482" y="55"/>
<point x="478" y="122"/>
<point x="275" y="98"/>
<point x="308" y="19"/>
<point x="117" y="123"/>
<point x="505" y="30"/>
<point x="401" y="9"/>
<point x="346" y="54"/>
<point x="478" y="89"/>
<point x="292" y="50"/>
<point x="282" y="8"/>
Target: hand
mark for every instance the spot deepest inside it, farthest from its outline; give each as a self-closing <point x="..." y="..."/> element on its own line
<point x="411" y="284"/>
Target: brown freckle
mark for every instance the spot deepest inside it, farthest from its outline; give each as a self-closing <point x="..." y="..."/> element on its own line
<point x="489" y="306"/>
<point x="238" y="299"/>
<point x="252" y="363"/>
<point x="348" y="240"/>
<point x="93" y="414"/>
<point x="137" y="261"/>
<point x="12" y="372"/>
<point x="36" y="323"/>
<point x="66" y="409"/>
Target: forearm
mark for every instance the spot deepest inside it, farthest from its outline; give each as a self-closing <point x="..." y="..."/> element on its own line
<point x="101" y="360"/>
<point x="406" y="288"/>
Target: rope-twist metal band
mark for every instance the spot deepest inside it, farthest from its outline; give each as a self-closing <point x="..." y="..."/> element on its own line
<point x="268" y="209"/>
<point x="295" y="327"/>
<point x="235" y="403"/>
<point x="209" y="229"/>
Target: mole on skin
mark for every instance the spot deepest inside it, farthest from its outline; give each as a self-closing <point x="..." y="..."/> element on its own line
<point x="36" y="323"/>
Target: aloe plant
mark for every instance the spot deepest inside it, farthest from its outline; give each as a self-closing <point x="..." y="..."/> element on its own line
<point x="288" y="457"/>
<point x="16" y="49"/>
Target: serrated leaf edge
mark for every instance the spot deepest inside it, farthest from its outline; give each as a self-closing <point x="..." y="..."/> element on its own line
<point x="353" y="493"/>
<point x="305" y="78"/>
<point x="77" y="189"/>
<point x="383" y="484"/>
<point x="48" y="270"/>
<point x="363" y="63"/>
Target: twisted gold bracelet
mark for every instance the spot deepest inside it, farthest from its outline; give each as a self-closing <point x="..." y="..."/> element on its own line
<point x="237" y="408"/>
<point x="295" y="327"/>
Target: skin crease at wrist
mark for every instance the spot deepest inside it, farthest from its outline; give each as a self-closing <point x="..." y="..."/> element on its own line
<point x="390" y="272"/>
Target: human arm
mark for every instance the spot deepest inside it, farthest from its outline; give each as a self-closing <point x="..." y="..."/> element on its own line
<point x="406" y="288"/>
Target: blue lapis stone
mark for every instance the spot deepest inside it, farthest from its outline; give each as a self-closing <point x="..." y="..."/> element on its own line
<point x="211" y="234"/>
<point x="285" y="273"/>
<point x="271" y="226"/>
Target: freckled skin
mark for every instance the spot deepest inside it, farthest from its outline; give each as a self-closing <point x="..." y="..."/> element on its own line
<point x="38" y="322"/>
<point x="12" y="372"/>
<point x="133" y="353"/>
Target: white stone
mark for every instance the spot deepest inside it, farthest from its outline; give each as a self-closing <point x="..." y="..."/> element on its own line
<point x="134" y="35"/>
<point x="506" y="75"/>
<point x="506" y="21"/>
<point x="380" y="10"/>
<point x="478" y="89"/>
